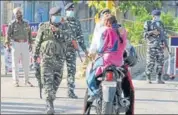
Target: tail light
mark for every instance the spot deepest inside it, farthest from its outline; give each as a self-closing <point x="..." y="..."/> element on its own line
<point x="109" y="76"/>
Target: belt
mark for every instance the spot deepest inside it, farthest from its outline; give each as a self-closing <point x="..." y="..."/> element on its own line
<point x="20" y="41"/>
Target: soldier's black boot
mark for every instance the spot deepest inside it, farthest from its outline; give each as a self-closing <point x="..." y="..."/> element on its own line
<point x="71" y="94"/>
<point x="49" y="107"/>
<point x="148" y="78"/>
<point x="159" y="80"/>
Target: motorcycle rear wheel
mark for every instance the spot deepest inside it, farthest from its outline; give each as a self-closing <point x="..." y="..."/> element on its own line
<point x="107" y="107"/>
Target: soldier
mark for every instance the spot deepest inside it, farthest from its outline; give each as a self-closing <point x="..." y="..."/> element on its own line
<point x="19" y="35"/>
<point x="155" y="49"/>
<point x="74" y="30"/>
<point x="51" y="47"/>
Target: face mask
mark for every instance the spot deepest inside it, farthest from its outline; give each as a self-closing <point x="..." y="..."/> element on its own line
<point x="56" y="19"/>
<point x="70" y="13"/>
<point x="102" y="21"/>
<point x="157" y="18"/>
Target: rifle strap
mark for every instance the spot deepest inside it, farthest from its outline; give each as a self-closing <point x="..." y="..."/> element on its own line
<point x="70" y="27"/>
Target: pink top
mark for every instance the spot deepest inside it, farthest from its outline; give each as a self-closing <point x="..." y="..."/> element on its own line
<point x="110" y="48"/>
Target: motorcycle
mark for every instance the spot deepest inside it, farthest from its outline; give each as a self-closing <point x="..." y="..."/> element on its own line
<point x="110" y="99"/>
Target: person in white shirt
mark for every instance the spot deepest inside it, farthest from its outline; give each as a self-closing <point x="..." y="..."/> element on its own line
<point x="98" y="26"/>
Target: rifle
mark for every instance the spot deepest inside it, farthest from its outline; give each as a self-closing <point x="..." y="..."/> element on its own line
<point x="75" y="44"/>
<point x="162" y="37"/>
<point x="38" y="76"/>
<point x="77" y="49"/>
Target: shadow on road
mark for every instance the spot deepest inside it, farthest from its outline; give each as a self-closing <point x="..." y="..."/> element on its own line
<point x="156" y="89"/>
<point x="75" y="88"/>
<point x="29" y="108"/>
<point x="61" y="98"/>
<point x="59" y="87"/>
<point x="69" y="98"/>
<point x="156" y="100"/>
<point x="20" y="75"/>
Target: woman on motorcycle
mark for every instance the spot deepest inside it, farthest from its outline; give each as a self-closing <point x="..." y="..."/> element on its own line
<point x="110" y="45"/>
<point x="109" y="49"/>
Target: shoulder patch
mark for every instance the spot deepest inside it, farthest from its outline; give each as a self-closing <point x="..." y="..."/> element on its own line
<point x="44" y="25"/>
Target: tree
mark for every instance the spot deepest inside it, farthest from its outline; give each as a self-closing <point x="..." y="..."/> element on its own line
<point x="141" y="14"/>
<point x="125" y="6"/>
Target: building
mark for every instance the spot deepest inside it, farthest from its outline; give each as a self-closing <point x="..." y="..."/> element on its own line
<point x="38" y="11"/>
<point x="33" y="11"/>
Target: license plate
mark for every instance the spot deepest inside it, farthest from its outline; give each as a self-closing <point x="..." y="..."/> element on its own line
<point x="109" y="84"/>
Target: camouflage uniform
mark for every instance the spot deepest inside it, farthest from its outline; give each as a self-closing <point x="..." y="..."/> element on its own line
<point x="75" y="33"/>
<point x="51" y="47"/>
<point x="74" y="30"/>
<point x="155" y="50"/>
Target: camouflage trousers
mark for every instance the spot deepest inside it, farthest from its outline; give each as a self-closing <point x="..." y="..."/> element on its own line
<point x="51" y="73"/>
<point x="71" y="68"/>
<point x="155" y="55"/>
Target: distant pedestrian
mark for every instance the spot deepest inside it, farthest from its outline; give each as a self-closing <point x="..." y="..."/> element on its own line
<point x="19" y="35"/>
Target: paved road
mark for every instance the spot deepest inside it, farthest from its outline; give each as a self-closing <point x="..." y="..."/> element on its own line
<point x="150" y="99"/>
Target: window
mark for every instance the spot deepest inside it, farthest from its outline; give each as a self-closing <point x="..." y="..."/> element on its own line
<point x="17" y="5"/>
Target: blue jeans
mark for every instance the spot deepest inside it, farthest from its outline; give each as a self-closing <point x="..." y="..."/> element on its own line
<point x="91" y="76"/>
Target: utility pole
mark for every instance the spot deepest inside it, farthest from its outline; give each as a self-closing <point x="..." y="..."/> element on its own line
<point x="109" y="4"/>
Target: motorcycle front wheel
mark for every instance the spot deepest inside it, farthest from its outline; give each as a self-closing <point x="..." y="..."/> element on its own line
<point x="87" y="105"/>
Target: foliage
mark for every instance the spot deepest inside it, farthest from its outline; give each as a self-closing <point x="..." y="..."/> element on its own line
<point x="141" y="10"/>
<point x="75" y="1"/>
<point x="100" y="5"/>
<point x="135" y="28"/>
<point x="125" y="6"/>
<point x="167" y="19"/>
<point x="175" y="25"/>
<point x="90" y="38"/>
